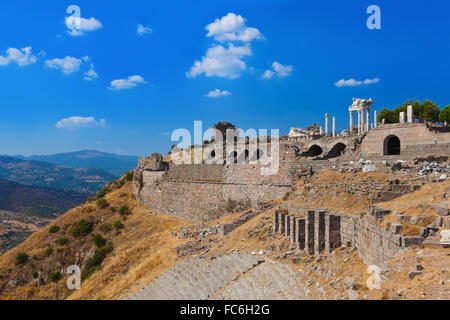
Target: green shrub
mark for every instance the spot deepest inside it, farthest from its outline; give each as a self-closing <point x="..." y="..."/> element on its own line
<point x="128" y="176"/>
<point x="54" y="229"/>
<point x="62" y="241"/>
<point x="106" y="227"/>
<point x="82" y="228"/>
<point x="102" y="192"/>
<point x="21" y="257"/>
<point x="99" y="241"/>
<point x="102" y="203"/>
<point x="54" y="276"/>
<point x="96" y="260"/>
<point x="118" y="225"/>
<point x="124" y="211"/>
<point x="48" y="251"/>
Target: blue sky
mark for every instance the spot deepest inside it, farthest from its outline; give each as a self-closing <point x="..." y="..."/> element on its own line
<point x="275" y="65"/>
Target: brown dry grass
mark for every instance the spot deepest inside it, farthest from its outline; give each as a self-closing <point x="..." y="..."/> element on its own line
<point x="420" y="202"/>
<point x="142" y="250"/>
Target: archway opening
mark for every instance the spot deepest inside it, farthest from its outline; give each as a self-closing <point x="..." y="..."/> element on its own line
<point x="391" y="146"/>
<point x="313" y="151"/>
<point x="337" y="150"/>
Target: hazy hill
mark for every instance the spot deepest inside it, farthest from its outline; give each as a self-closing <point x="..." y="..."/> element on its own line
<point x="115" y="164"/>
<point x="44" y="174"/>
<point x="37" y="201"/>
<point x="16" y="227"/>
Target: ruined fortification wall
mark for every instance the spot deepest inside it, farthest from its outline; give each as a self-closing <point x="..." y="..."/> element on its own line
<point x="415" y="139"/>
<point x="203" y="192"/>
<point x="315" y="231"/>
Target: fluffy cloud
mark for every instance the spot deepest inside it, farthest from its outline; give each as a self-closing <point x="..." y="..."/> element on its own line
<point x="90" y="74"/>
<point x="232" y="28"/>
<point x="22" y="57"/>
<point x="79" y="122"/>
<point x="67" y="65"/>
<point x="143" y="30"/>
<point x="86" y="25"/>
<point x="128" y="83"/>
<point x="217" y="93"/>
<point x="226" y="61"/>
<point x="352" y="82"/>
<point x="278" y="70"/>
<point x="221" y="62"/>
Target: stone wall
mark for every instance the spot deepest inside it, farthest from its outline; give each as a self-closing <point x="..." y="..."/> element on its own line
<point x="319" y="231"/>
<point x="203" y="192"/>
<point x="415" y="139"/>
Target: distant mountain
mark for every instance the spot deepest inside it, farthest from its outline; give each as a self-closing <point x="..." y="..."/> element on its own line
<point x="44" y="174"/>
<point x="37" y="201"/>
<point x="115" y="164"/>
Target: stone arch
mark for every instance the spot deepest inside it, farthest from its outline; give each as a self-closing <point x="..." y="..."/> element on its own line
<point x="313" y="151"/>
<point x="391" y="145"/>
<point x="336" y="150"/>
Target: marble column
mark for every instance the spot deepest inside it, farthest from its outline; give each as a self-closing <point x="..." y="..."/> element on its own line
<point x="327" y="124"/>
<point x="351" y="121"/>
<point x="334" y="127"/>
<point x="368" y="119"/>
<point x="375" y="120"/>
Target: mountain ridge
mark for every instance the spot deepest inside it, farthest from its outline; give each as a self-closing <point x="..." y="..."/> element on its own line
<point x="113" y="163"/>
<point x="45" y="174"/>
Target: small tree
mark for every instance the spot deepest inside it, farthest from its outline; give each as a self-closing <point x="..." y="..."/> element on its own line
<point x="444" y="115"/>
<point x="21" y="258"/>
<point x="54" y="229"/>
<point x="102" y="203"/>
<point x="99" y="241"/>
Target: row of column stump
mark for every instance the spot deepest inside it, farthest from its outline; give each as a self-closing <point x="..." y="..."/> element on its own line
<point x="316" y="232"/>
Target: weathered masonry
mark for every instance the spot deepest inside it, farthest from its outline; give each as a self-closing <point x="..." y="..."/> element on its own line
<point x="206" y="191"/>
<point x="320" y="231"/>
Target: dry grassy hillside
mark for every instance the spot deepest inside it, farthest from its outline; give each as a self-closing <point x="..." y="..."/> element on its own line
<point x="148" y="244"/>
<point x="140" y="248"/>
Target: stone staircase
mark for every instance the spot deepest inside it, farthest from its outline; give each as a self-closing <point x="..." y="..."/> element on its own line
<point x="198" y="278"/>
<point x="268" y="281"/>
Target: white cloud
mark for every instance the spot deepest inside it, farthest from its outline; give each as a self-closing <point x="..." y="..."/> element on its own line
<point x="86" y="25"/>
<point x="128" y="83"/>
<point x="232" y="28"/>
<point x="278" y="70"/>
<point x="91" y="74"/>
<point x="22" y="57"/>
<point x="67" y="65"/>
<point x="79" y="122"/>
<point x="352" y="82"/>
<point x="143" y="30"/>
<point x="221" y="62"/>
<point x="217" y="93"/>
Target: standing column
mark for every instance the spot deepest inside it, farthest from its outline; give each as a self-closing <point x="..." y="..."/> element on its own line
<point x="309" y="232"/>
<point x="326" y="124"/>
<point x="363" y="124"/>
<point x="351" y="121"/>
<point x="410" y="113"/>
<point x="359" y="121"/>
<point x="375" y="120"/>
<point x="368" y="119"/>
<point x="402" y="117"/>
<point x="276" y="222"/>
<point x="334" y="127"/>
